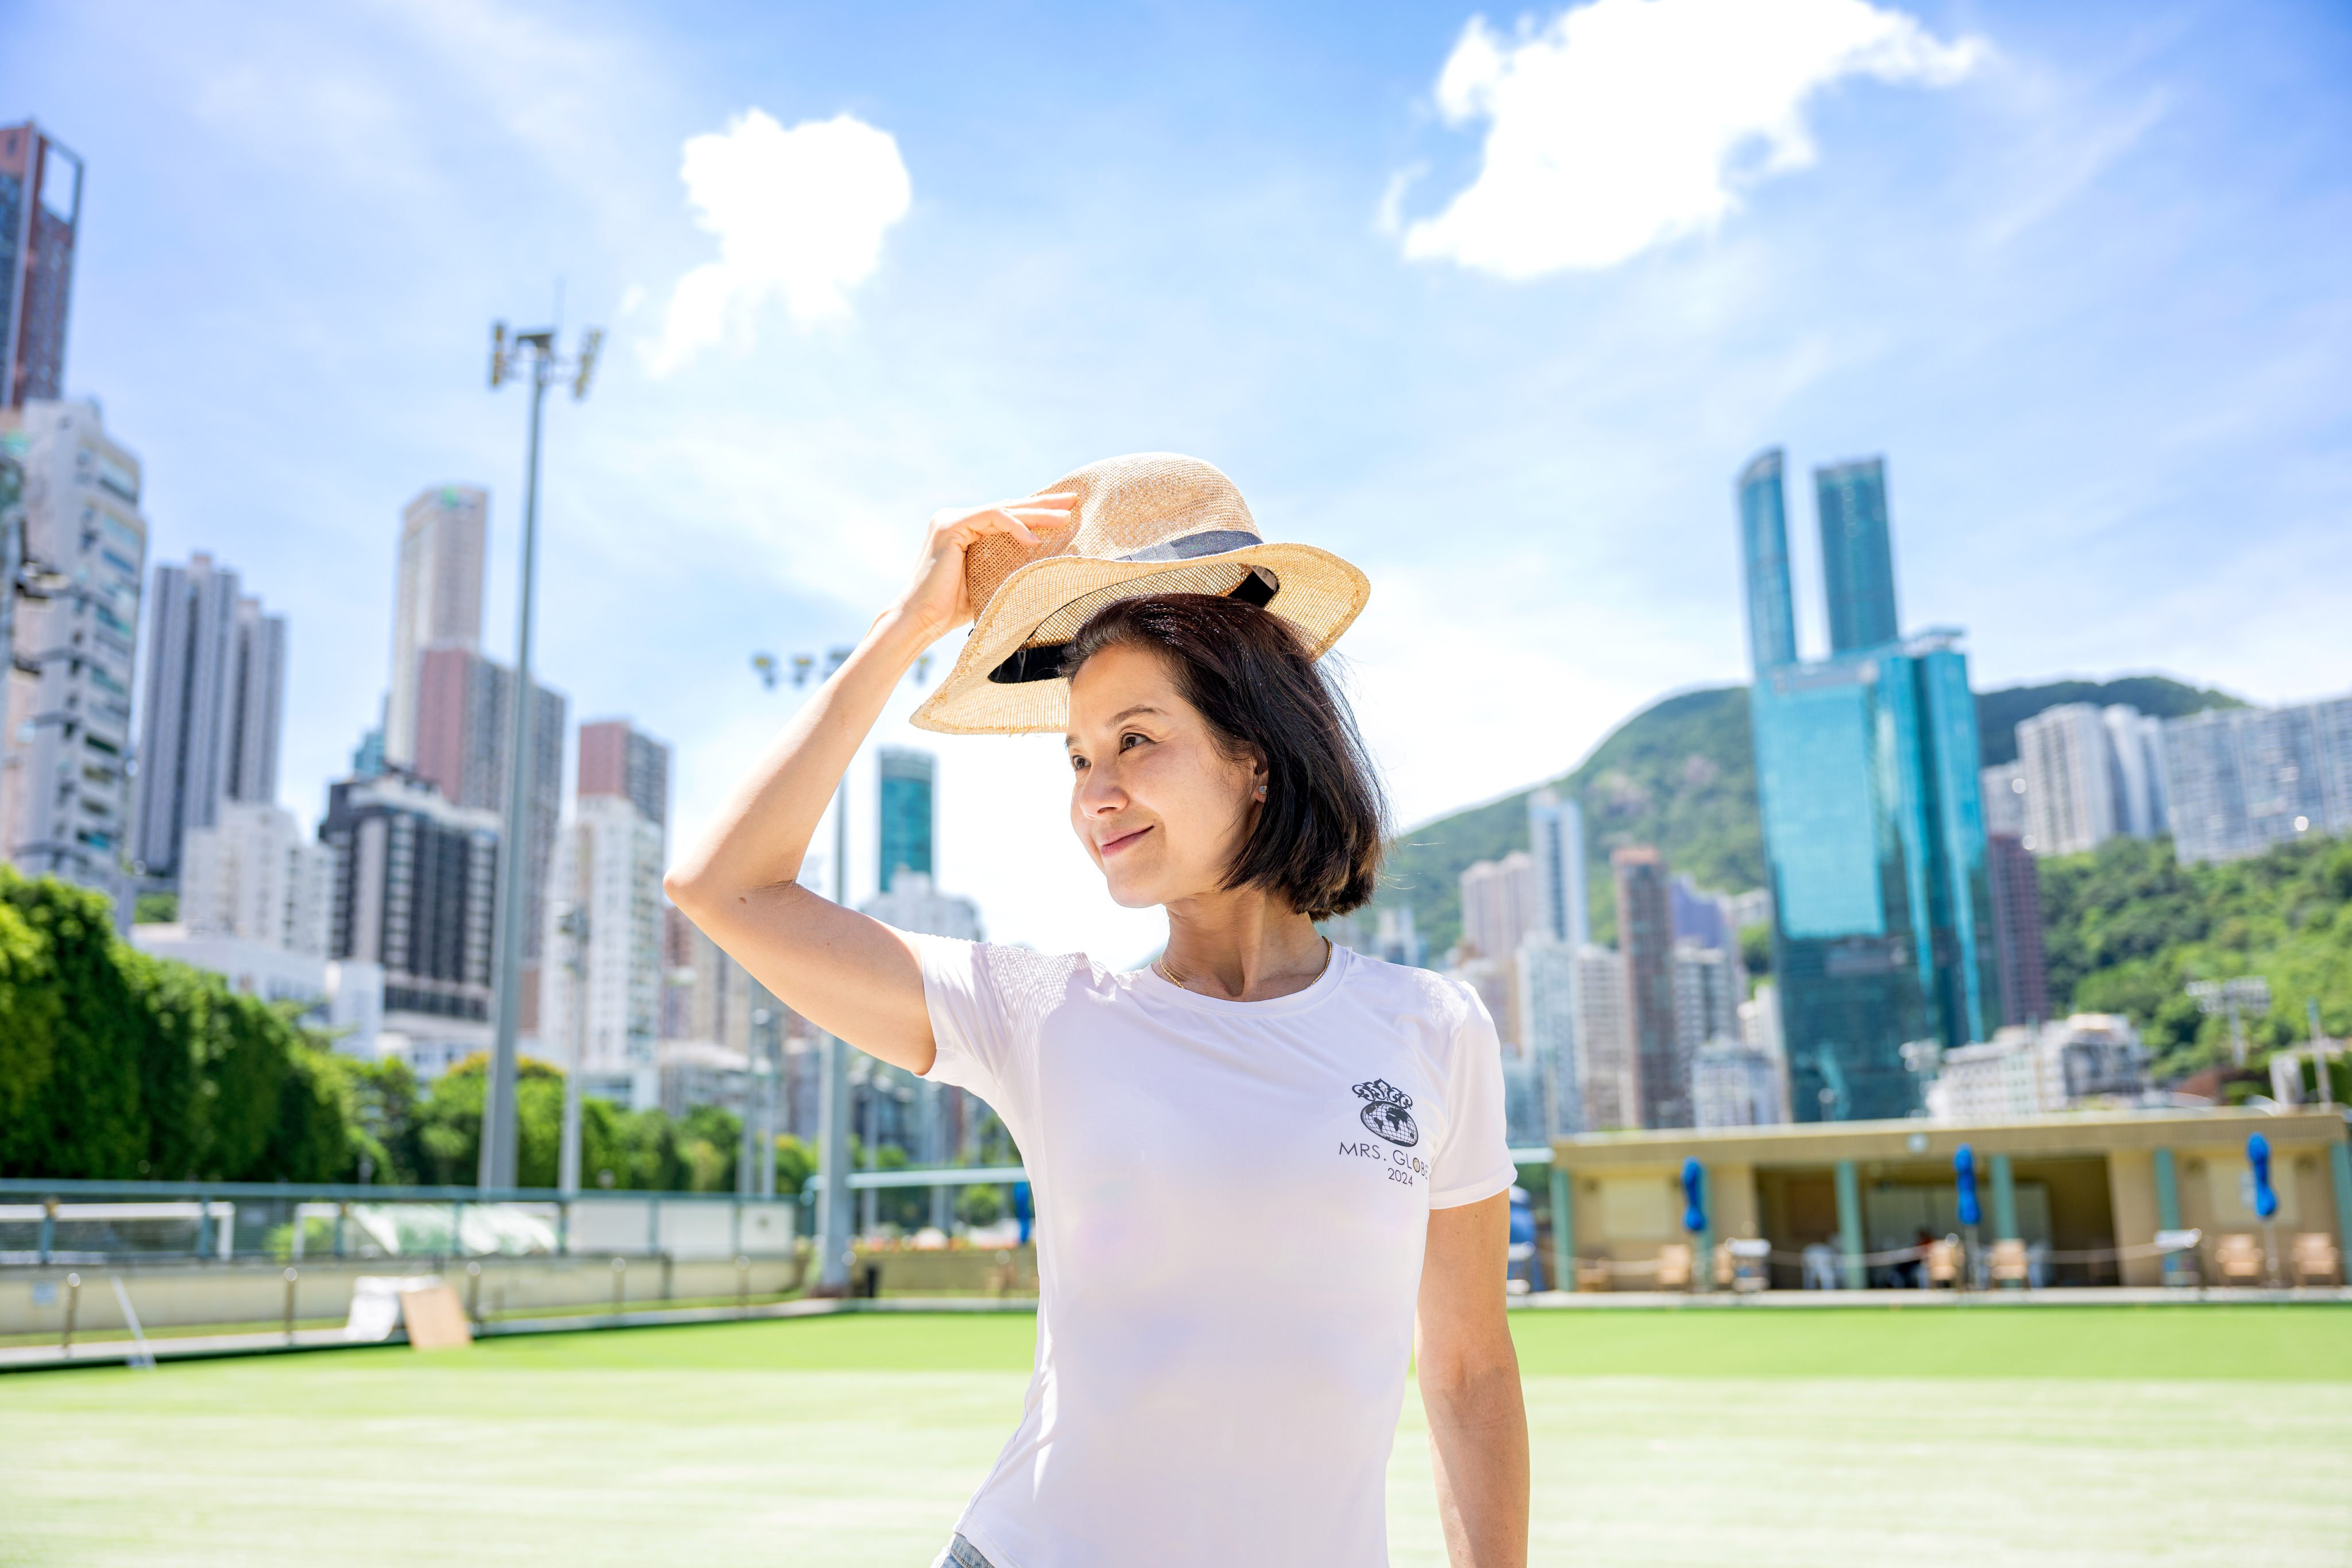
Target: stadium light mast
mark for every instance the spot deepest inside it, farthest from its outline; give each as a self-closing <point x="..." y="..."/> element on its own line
<point x="2235" y="999"/>
<point x="531" y="354"/>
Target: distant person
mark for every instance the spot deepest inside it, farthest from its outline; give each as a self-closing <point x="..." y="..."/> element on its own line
<point x="1820" y="1266"/>
<point x="1269" y="1171"/>
<point x="1917" y="1267"/>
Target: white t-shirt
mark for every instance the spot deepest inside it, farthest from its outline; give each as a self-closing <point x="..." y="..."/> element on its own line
<point x="1232" y="1201"/>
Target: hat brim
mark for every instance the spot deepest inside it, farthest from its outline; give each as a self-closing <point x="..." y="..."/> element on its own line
<point x="1316" y="592"/>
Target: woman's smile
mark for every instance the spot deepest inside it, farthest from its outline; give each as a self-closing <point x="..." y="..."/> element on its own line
<point x="1123" y="840"/>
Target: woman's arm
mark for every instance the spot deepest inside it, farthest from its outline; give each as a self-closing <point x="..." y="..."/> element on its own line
<point x="844" y="971"/>
<point x="1470" y="1387"/>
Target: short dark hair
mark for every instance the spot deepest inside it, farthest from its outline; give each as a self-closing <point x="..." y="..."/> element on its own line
<point x="1321" y="832"/>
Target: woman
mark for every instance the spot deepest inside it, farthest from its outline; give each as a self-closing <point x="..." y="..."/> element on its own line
<point x="1267" y="1171"/>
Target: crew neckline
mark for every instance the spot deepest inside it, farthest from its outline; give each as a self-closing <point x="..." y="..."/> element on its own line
<point x="1160" y="985"/>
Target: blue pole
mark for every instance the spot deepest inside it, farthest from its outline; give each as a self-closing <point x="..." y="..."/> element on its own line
<point x="1695" y="1221"/>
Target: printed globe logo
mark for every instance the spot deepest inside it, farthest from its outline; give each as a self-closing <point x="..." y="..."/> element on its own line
<point x="1388" y="1112"/>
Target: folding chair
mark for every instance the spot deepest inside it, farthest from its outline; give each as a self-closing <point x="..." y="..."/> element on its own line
<point x="2316" y="1259"/>
<point x="2238" y="1259"/>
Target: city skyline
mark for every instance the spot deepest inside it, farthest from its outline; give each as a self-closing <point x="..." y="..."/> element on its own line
<point x="1572" y="425"/>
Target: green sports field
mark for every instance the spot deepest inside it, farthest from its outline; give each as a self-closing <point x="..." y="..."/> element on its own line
<point x="2073" y="1436"/>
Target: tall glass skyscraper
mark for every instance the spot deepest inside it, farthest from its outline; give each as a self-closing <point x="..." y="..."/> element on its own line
<point x="1874" y="837"/>
<point x="909" y="811"/>
<point x="1764" y="552"/>
<point x="1857" y="558"/>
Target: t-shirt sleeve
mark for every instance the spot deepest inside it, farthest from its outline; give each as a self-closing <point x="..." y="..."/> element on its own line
<point x="1472" y="1161"/>
<point x="972" y="1026"/>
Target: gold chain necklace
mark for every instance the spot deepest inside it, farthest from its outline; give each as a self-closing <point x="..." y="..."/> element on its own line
<point x="1160" y="967"/>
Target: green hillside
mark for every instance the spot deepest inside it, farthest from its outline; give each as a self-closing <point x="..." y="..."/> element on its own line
<point x="1681" y="775"/>
<point x="2128" y="927"/>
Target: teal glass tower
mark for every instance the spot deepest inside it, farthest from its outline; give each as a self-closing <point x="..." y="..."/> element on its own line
<point x="910" y="814"/>
<point x="1764" y="552"/>
<point x="1873" y="838"/>
<point x="1857" y="556"/>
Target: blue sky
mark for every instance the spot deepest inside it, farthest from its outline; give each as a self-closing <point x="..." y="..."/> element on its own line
<point x="1496" y="308"/>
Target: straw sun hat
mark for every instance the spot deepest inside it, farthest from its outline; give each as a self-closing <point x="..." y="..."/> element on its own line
<point x="1150" y="524"/>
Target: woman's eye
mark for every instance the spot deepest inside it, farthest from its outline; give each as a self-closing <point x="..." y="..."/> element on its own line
<point x="1129" y="738"/>
<point x="1077" y="763"/>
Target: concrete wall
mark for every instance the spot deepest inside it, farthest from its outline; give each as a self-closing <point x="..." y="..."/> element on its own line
<point x="960" y="1271"/>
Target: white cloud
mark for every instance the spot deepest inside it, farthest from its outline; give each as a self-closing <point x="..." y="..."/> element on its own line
<point x="799" y="214"/>
<point x="1626" y="123"/>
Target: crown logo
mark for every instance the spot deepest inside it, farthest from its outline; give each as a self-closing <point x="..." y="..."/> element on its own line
<point x="1379" y="1091"/>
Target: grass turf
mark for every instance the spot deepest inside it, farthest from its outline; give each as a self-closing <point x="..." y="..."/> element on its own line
<point x="2083" y="1438"/>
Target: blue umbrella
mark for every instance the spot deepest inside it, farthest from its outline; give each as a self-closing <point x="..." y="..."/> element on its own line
<point x="1523" y="1218"/>
<point x="1694" y="1196"/>
<point x="1523" y="1234"/>
<point x="2258" y="1155"/>
<point x="1964" y="1169"/>
<point x="1022" y="1209"/>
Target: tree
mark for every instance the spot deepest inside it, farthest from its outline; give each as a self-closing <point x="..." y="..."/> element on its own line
<point x="115" y="1065"/>
<point x="795" y="1163"/>
<point x="86" y="1108"/>
<point x="2127" y="928"/>
<point x="31" y="1014"/>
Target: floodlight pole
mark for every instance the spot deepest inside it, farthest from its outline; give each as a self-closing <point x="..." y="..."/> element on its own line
<point x="832" y="1241"/>
<point x="833" y="1115"/>
<point x="2246" y="993"/>
<point x="510" y="909"/>
<point x="567" y="1166"/>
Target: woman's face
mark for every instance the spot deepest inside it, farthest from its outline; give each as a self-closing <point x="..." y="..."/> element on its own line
<point x="1162" y="811"/>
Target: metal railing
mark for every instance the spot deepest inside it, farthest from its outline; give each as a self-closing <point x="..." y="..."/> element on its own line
<point x="84" y="1221"/>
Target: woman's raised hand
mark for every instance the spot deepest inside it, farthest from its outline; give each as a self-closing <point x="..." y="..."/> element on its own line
<point x="937" y="599"/>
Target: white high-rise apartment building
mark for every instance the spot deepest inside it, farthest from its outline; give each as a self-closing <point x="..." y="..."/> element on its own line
<point x="444" y="534"/>
<point x="1499" y="905"/>
<point x="608" y="871"/>
<point x="2239" y="780"/>
<point x="913" y="904"/>
<point x="211" y="709"/>
<point x="2088" y="774"/>
<point x="2070" y="780"/>
<point x="1759" y="1030"/>
<point x="256" y="897"/>
<point x="1556" y="844"/>
<point x="1548" y="1012"/>
<point x="2136" y="748"/>
<point x="255" y="875"/>
<point x="65" y="730"/>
